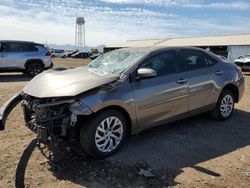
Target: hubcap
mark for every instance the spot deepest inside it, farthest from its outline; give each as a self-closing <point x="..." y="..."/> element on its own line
<point x="109" y="134"/>
<point x="226" y="106"/>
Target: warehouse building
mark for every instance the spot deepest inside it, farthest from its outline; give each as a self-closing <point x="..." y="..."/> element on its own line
<point x="229" y="46"/>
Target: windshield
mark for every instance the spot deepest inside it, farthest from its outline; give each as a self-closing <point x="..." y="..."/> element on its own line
<point x="247" y="56"/>
<point x="117" y="61"/>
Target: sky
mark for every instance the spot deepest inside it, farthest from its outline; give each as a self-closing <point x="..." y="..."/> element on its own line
<point x="115" y="21"/>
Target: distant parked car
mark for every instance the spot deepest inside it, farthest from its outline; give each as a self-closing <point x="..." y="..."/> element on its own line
<point x="94" y="56"/>
<point x="69" y="54"/>
<point x="243" y="62"/>
<point x="29" y="57"/>
<point x="81" y="55"/>
<point x="58" y="53"/>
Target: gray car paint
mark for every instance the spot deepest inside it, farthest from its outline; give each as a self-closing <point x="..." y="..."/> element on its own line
<point x="147" y="102"/>
<point x="159" y="98"/>
<point x="65" y="83"/>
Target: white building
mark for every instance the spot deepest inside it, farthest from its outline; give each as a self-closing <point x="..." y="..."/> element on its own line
<point x="230" y="46"/>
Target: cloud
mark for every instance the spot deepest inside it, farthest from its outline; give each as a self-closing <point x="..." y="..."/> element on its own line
<point x="221" y="5"/>
<point x="54" y="21"/>
<point x="186" y="3"/>
<point x="151" y="2"/>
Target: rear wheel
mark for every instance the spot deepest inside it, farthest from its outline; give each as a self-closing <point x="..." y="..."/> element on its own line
<point x="104" y="134"/>
<point x="34" y="68"/>
<point x="225" y="106"/>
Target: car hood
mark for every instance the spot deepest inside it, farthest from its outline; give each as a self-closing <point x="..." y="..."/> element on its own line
<point x="67" y="82"/>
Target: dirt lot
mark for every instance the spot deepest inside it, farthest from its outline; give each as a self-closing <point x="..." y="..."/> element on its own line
<point x="196" y="152"/>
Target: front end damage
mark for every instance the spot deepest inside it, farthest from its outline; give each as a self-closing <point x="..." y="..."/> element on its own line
<point x="52" y="119"/>
<point x="53" y="101"/>
<point x="7" y="108"/>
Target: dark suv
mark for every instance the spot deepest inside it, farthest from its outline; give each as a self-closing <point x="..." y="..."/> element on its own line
<point x="29" y="57"/>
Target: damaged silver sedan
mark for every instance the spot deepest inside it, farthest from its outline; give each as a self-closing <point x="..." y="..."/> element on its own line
<point x="126" y="91"/>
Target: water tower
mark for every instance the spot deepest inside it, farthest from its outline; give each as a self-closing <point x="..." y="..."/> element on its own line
<point x="80" y="34"/>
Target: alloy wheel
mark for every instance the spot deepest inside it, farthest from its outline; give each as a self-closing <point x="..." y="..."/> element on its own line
<point x="109" y="134"/>
<point x="226" y="106"/>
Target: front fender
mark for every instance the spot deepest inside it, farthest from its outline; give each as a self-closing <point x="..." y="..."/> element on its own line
<point x="7" y="108"/>
<point x="97" y="103"/>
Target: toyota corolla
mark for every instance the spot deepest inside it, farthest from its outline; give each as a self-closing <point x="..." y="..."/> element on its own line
<point x="125" y="91"/>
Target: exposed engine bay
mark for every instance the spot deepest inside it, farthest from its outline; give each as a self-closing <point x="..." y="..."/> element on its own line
<point x="53" y="119"/>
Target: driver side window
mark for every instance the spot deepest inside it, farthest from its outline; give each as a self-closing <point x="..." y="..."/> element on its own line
<point x="164" y="63"/>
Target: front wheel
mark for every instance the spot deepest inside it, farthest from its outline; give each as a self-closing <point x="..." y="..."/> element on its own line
<point x="225" y="106"/>
<point x="104" y="134"/>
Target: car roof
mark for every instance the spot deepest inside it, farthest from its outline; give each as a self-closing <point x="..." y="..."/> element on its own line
<point x="19" y="41"/>
<point x="153" y="48"/>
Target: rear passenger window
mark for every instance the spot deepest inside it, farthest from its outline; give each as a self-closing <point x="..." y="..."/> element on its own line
<point x="20" y="47"/>
<point x="195" y="59"/>
<point x="164" y="63"/>
<point x="14" y="47"/>
<point x="29" y="48"/>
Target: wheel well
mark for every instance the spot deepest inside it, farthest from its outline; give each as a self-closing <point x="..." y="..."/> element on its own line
<point x="82" y="119"/>
<point x="234" y="90"/>
<point x="32" y="61"/>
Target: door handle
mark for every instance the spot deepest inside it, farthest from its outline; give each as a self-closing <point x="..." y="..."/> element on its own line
<point x="181" y="81"/>
<point x="218" y="73"/>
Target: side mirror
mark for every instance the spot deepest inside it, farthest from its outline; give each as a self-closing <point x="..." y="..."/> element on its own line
<point x="146" y="73"/>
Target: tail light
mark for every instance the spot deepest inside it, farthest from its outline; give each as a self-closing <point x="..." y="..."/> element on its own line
<point x="238" y="69"/>
<point x="48" y="54"/>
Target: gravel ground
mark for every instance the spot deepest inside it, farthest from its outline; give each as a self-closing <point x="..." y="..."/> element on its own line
<point x="195" y="152"/>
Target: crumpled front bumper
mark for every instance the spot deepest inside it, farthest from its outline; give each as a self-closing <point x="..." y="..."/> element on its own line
<point x="8" y="107"/>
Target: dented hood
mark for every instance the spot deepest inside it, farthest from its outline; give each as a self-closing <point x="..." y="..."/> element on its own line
<point x="67" y="82"/>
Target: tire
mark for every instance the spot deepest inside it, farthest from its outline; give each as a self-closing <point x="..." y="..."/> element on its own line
<point x="224" y="112"/>
<point x="92" y="135"/>
<point x="53" y="56"/>
<point x="34" y="68"/>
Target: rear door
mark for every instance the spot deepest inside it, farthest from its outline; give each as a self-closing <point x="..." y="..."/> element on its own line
<point x="162" y="97"/>
<point x="15" y="55"/>
<point x="18" y="53"/>
<point x="200" y="73"/>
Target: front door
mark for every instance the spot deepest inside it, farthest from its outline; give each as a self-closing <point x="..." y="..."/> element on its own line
<point x="162" y="97"/>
